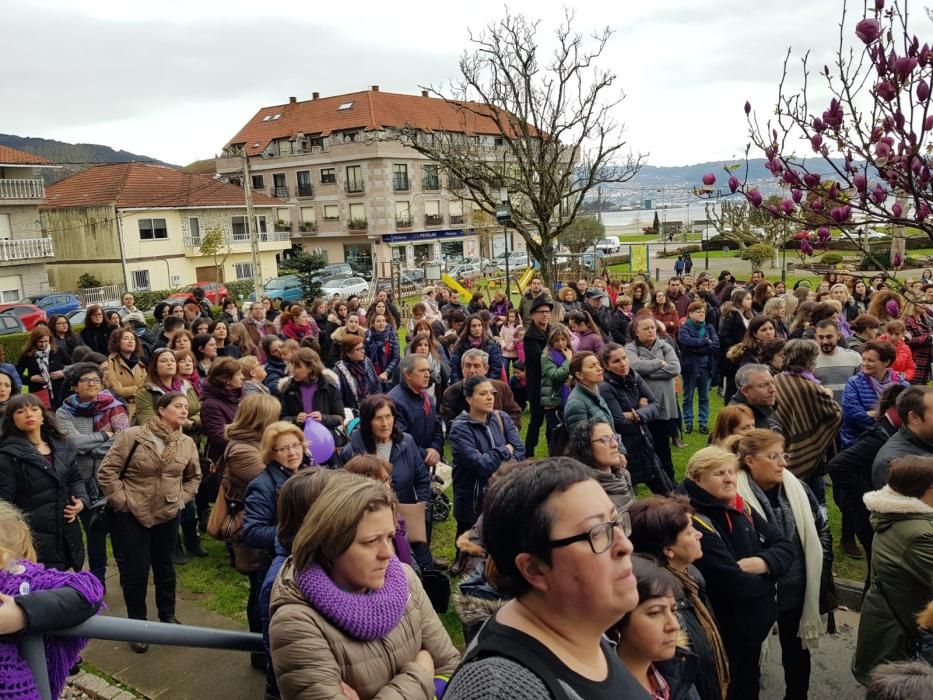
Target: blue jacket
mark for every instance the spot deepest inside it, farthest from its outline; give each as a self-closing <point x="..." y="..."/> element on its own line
<point x="15" y="378"/>
<point x="275" y="370"/>
<point x="411" y="480"/>
<point x="478" y="450"/>
<point x="375" y="348"/>
<point x="490" y="347"/>
<point x="697" y="354"/>
<point x="259" y="518"/>
<point x="857" y="399"/>
<point x="409" y="415"/>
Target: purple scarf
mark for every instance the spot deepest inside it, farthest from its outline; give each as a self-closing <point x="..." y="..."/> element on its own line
<point x="363" y="616"/>
<point x="879" y="387"/>
<point x="61" y="653"/>
<point x="108" y="412"/>
<point x="806" y="374"/>
<point x="559" y="360"/>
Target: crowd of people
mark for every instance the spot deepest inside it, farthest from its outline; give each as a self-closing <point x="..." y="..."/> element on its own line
<point x="208" y="423"/>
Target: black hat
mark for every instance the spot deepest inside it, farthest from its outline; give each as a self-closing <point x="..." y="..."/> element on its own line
<point x="539" y="302"/>
<point x="518" y="364"/>
<point x="595" y="293"/>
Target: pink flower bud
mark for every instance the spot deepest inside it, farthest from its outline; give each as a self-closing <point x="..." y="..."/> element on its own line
<point x="817" y="204"/>
<point x="923" y="211"/>
<point x="818" y="125"/>
<point x="923" y="90"/>
<point x="796" y="195"/>
<point x="868" y="30"/>
<point x="897" y="210"/>
<point x="824" y="233"/>
<point x="878" y="195"/>
<point x="879" y="5"/>
<point x="754" y="198"/>
<point x="806" y="248"/>
<point x="709" y="179"/>
<point x="816" y="141"/>
<point x="748" y="107"/>
<point x="898" y="260"/>
<point x="904" y="66"/>
<point x="787" y="204"/>
<point x="811" y="180"/>
<point x="733" y="183"/>
<point x="860" y="182"/>
<point x="886" y="90"/>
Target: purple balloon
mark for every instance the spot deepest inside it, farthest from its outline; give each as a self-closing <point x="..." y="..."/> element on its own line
<point x="320" y="441"/>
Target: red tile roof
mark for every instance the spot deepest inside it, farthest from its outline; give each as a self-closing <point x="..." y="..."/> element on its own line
<point x="11" y="156"/>
<point x="370" y="110"/>
<point x="134" y="185"/>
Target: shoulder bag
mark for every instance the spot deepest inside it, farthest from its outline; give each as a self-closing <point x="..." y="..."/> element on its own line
<point x="101" y="510"/>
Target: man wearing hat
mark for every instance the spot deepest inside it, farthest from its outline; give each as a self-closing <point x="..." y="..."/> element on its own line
<point x="535" y="341"/>
<point x="593" y="303"/>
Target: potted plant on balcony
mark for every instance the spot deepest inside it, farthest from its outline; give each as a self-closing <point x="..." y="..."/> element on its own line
<point x="281" y="225"/>
<point x="307" y="227"/>
<point x="357" y="224"/>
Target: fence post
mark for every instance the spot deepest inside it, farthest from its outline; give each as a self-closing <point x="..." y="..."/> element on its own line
<point x="32" y="649"/>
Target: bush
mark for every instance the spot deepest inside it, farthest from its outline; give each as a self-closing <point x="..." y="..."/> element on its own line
<point x="832" y="259"/>
<point x="12" y="346"/>
<point x="758" y="255"/>
<point x="88" y="281"/>
<point x="718" y="243"/>
<point x="240" y="289"/>
<point x="146" y="300"/>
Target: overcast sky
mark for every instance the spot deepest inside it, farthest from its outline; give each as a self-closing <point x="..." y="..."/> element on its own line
<point x="175" y="79"/>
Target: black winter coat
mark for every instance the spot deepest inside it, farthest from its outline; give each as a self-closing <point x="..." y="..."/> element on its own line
<point x="618" y="327"/>
<point x="28" y="366"/>
<point x="42" y="491"/>
<point x="850" y="469"/>
<point x="97" y="338"/>
<point x="622" y="394"/>
<point x="535" y="341"/>
<point x="745" y="604"/>
<point x="327" y="400"/>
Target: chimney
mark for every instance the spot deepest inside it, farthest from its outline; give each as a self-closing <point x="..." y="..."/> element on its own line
<point x="292" y="100"/>
<point x="424" y="93"/>
<point x="315" y="95"/>
<point x="375" y="88"/>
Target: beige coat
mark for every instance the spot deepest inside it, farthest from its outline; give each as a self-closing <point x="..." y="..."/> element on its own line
<point x="152" y="491"/>
<point x="123" y="381"/>
<point x="311" y="656"/>
<point x="242" y="464"/>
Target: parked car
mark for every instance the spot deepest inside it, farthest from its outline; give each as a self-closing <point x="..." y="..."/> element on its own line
<point x="56" y="303"/>
<point x="518" y="260"/>
<point x="286" y="288"/>
<point x="214" y="292"/>
<point x="29" y="314"/>
<point x="465" y="271"/>
<point x="10" y="323"/>
<point x="609" y="246"/>
<point x="486" y="266"/>
<point x="345" y="287"/>
<point x="80" y="315"/>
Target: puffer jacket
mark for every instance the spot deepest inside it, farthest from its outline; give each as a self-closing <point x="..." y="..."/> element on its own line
<point x="490" y="347"/>
<point x="588" y="341"/>
<point x="411" y="480"/>
<point x="42" y="492"/>
<point x="583" y="404"/>
<point x="648" y="363"/>
<point x="123" y="381"/>
<point x="478" y="450"/>
<point x="151" y="491"/>
<point x="218" y="408"/>
<point x="311" y="655"/>
<point x="857" y="399"/>
<point x="553" y="379"/>
<point x="901" y="580"/>
<point x="97" y="338"/>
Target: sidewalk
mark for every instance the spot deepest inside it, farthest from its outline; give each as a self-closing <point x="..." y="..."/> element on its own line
<point x="178" y="673"/>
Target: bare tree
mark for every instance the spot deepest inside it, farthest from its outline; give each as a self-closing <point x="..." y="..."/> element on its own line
<point x="556" y="137"/>
<point x="732" y="222"/>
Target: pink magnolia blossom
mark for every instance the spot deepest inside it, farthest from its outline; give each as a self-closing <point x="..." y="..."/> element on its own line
<point x="860" y="182"/>
<point x="733" y="183"/>
<point x="709" y="179"/>
<point x="897" y="209"/>
<point x="868" y="30"/>
<point x="816" y="141"/>
<point x="754" y="198"/>
<point x="886" y="90"/>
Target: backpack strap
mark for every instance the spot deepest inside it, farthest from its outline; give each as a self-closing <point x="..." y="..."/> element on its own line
<point x="129" y="458"/>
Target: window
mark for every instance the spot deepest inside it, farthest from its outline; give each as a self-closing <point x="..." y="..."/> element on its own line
<point x="432" y="213"/>
<point x="359" y="255"/>
<point x="243" y="271"/>
<point x="344" y="106"/>
<point x="6" y="232"/>
<point x="456" y="211"/>
<point x="152" y="230"/>
<point x="304" y="183"/>
<point x="307" y="215"/>
<point x="400" y="177"/>
<point x="317" y="142"/>
<point x="240" y="232"/>
<point x="258" y="183"/>
<point x="354" y="178"/>
<point x="402" y="215"/>
<point x="175" y="280"/>
<point x="283" y="214"/>
<point x="331" y="212"/>
<point x="498" y="141"/>
<point x="357" y="217"/>
<point x="350" y="136"/>
<point x="141" y="280"/>
<point x="194" y="230"/>
<point x="429" y="178"/>
<point x="328" y="175"/>
<point x="11" y="288"/>
<point x="279" y="185"/>
<point x="261" y="224"/>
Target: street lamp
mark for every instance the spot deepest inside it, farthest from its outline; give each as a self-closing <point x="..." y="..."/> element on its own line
<point x="504" y="217"/>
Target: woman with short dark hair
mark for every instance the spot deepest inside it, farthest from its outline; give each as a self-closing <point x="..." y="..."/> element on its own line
<point x="63" y="334"/>
<point x="356" y="372"/>
<point x="595" y="443"/>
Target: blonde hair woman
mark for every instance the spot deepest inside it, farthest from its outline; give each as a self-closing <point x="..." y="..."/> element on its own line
<point x="743" y="555"/>
<point x="769" y="488"/>
<point x="347" y="618"/>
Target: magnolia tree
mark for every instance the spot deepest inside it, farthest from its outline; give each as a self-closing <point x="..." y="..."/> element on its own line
<point x="862" y="159"/>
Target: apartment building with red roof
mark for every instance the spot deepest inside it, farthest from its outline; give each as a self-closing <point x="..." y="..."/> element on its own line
<point x="141" y="226"/>
<point x="24" y="251"/>
<point x="354" y="195"/>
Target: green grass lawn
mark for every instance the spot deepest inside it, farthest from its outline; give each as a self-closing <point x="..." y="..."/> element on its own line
<point x="214" y="583"/>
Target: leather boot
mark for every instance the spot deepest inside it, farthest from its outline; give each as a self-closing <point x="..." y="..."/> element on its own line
<point x="193" y="543"/>
<point x="178" y="556"/>
<point x="203" y="517"/>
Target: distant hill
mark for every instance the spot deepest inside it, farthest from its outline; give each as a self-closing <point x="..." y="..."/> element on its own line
<point x="74" y="157"/>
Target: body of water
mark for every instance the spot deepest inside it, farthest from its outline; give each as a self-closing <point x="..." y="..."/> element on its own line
<point x="634" y="220"/>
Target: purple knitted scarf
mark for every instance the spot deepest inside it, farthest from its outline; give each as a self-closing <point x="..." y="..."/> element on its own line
<point x="363" y="616"/>
<point x="62" y="653"/>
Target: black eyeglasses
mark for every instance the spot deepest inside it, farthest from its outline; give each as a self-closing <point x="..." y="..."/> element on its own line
<point x="599" y="536"/>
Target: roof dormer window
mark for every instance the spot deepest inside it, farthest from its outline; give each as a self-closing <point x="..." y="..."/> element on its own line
<point x="344" y="106"/>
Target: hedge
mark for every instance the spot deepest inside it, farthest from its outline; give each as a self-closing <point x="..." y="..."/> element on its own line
<point x="12" y="345"/>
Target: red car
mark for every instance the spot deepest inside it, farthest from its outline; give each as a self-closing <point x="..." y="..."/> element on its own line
<point x="214" y="292"/>
<point x="29" y="314"/>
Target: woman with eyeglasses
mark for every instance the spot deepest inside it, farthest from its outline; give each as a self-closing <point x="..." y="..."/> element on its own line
<point x="767" y="485"/>
<point x="743" y="557"/>
<point x="43" y="364"/>
<point x="595" y="443"/>
<point x="90" y="417"/>
<point x="63" y="334"/>
<point x="97" y="330"/>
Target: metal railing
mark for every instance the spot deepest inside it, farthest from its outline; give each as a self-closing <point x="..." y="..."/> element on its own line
<point x="22" y="189"/>
<point x="26" y="249"/>
<point x="280" y="191"/>
<point x="32" y="646"/>
<point x="112" y="293"/>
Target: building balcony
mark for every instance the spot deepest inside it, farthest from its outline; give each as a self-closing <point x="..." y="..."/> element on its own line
<point x="308" y="227"/>
<point x="22" y="189"/>
<point x="305" y="191"/>
<point x="456" y="220"/>
<point x="268" y="240"/>
<point x="357" y="224"/>
<point x="354" y="188"/>
<point x="401" y="184"/>
<point x="280" y="192"/>
<point x="27" y="249"/>
<point x="403" y="222"/>
<point x="431" y="184"/>
<point x="433" y="220"/>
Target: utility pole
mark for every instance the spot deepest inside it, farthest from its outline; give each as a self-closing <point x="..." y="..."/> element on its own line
<point x="251" y="228"/>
